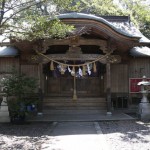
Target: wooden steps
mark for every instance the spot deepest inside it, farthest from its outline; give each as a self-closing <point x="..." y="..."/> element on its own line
<point x="65" y="105"/>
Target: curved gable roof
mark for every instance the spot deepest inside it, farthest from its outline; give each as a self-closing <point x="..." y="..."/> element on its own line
<point x="124" y="28"/>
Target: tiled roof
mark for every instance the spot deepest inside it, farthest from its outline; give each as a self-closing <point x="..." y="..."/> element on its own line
<point x="140" y="51"/>
<point x="123" y="27"/>
<point x="8" y="51"/>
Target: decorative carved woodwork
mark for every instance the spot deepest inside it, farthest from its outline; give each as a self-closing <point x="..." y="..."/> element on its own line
<point x="74" y="36"/>
<point x="74" y="50"/>
<point x="34" y="59"/>
<point x="79" y="31"/>
<point x="113" y="59"/>
<point x="74" y="41"/>
<point x="43" y="45"/>
<point x="40" y="46"/>
<point x="111" y="46"/>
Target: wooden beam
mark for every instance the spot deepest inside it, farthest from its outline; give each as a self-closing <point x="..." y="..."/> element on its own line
<point x="73" y="56"/>
<point x="80" y="42"/>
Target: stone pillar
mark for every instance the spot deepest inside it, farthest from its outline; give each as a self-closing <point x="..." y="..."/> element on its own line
<point x="108" y="89"/>
<point x="4" y="113"/>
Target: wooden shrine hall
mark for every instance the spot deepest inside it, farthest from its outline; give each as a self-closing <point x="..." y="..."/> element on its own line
<point x="96" y="67"/>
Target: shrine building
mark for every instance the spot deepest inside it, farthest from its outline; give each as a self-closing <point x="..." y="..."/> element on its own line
<point x="95" y="68"/>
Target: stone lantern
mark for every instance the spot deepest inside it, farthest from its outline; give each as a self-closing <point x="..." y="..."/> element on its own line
<point x="144" y="106"/>
<point x="4" y="113"/>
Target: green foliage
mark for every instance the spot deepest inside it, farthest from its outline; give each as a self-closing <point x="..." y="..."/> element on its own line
<point x="101" y="7"/>
<point x="35" y="27"/>
<point x="138" y="11"/>
<point x="32" y="19"/>
<point x="17" y="87"/>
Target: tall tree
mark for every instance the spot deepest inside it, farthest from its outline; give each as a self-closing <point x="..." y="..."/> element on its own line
<point x="30" y="19"/>
<point x="101" y="7"/>
<point x="138" y="10"/>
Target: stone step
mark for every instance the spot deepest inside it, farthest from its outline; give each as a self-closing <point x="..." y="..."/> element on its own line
<point x="60" y="111"/>
<point x="47" y="100"/>
<point x="61" y="104"/>
<point x="47" y="108"/>
<point x="65" y="105"/>
<point x="68" y="101"/>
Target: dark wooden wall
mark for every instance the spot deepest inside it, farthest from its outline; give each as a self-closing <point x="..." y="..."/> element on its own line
<point x="30" y="70"/>
<point x="6" y="64"/>
<point x="119" y="78"/>
<point x="139" y="67"/>
<point x="120" y="74"/>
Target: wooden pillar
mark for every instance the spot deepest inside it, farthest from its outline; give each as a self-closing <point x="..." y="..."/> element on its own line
<point x="40" y="89"/>
<point x="108" y="88"/>
<point x="74" y="88"/>
<point x="40" y="76"/>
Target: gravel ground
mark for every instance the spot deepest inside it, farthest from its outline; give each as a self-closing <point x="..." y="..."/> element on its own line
<point x="23" y="137"/>
<point x="120" y="135"/>
<point x="127" y="135"/>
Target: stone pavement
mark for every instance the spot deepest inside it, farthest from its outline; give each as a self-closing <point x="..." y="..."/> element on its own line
<point x="75" y="136"/>
<point x="74" y="117"/>
<point x="81" y="117"/>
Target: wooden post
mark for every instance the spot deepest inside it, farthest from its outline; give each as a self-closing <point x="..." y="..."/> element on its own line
<point x="40" y="90"/>
<point x="108" y="89"/>
<point x="74" y="88"/>
<point x="40" y="68"/>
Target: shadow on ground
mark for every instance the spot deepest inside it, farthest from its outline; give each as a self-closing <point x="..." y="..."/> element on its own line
<point x="128" y="131"/>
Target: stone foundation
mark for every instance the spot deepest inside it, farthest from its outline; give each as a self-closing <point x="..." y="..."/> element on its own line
<point x="4" y="113"/>
<point x="144" y="111"/>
